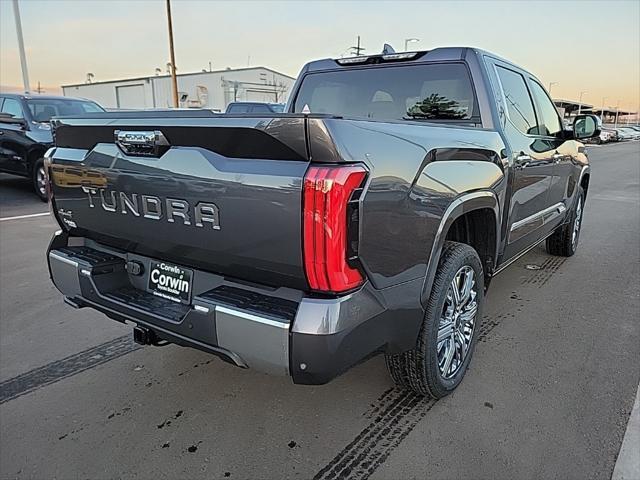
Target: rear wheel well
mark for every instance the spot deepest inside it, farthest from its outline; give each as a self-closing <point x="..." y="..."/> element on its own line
<point x="477" y="229"/>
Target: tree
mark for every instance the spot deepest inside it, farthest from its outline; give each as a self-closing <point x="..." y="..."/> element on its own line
<point x="437" y="106"/>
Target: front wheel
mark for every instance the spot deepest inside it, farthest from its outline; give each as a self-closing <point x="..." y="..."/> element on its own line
<point x="436" y="366"/>
<point x="564" y="241"/>
<point x="39" y="180"/>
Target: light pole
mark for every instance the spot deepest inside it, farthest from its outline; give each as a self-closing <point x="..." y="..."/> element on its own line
<point x="23" y="58"/>
<point x="615" y="125"/>
<point x="602" y="113"/>
<point x="580" y="102"/>
<point x="174" y="80"/>
<point x="407" y="41"/>
<point x="551" y="84"/>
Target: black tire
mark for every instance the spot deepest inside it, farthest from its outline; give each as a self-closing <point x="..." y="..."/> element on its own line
<point x="418" y="369"/>
<point x="36" y="179"/>
<point x="562" y="242"/>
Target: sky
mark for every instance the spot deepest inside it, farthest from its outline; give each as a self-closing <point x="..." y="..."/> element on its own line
<point x="591" y="46"/>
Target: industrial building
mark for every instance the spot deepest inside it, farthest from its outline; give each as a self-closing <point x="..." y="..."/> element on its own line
<point x="206" y="89"/>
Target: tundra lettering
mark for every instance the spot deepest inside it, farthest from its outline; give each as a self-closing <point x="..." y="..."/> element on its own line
<point x="369" y="218"/>
<point x="204" y="212"/>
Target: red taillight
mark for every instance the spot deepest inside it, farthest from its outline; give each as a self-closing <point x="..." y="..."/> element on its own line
<point x="327" y="191"/>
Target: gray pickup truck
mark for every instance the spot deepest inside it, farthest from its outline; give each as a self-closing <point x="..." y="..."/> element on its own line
<point x="369" y="218"/>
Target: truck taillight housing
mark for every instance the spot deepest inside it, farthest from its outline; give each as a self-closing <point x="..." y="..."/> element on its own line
<point x="328" y="197"/>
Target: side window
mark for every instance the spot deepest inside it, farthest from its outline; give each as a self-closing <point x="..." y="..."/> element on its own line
<point x="550" y="119"/>
<point x="12" y="107"/>
<point x="519" y="104"/>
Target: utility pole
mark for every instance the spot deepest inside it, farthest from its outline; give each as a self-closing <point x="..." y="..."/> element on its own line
<point x="174" y="79"/>
<point x="357" y="49"/>
<point x="617" y="108"/>
<point x="23" y="58"/>
<point x="39" y="89"/>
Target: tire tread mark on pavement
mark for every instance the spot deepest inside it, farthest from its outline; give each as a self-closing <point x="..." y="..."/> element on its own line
<point x="66" y="367"/>
<point x="394" y="414"/>
<point x="374" y="443"/>
<point x="548" y="268"/>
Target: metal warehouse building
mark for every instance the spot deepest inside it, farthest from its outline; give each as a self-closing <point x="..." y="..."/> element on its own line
<point x="207" y="89"/>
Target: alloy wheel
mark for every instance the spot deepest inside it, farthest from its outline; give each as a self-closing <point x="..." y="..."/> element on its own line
<point x="576" y="223"/>
<point x="41" y="181"/>
<point x="457" y="322"/>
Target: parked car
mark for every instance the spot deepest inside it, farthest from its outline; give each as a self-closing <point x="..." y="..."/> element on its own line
<point x="25" y="132"/>
<point x="606" y="136"/>
<point x="628" y="133"/>
<point x="254" y="107"/>
<point x="370" y="218"/>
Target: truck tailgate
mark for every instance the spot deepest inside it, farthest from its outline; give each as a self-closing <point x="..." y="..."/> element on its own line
<point x="220" y="193"/>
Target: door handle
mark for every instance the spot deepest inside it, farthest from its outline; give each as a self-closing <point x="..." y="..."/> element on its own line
<point x="522" y="161"/>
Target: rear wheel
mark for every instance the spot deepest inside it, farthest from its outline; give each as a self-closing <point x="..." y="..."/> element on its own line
<point x="564" y="241"/>
<point x="436" y="366"/>
<point x="39" y="179"/>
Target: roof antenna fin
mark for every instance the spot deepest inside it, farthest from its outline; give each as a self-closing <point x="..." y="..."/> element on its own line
<point x="387" y="49"/>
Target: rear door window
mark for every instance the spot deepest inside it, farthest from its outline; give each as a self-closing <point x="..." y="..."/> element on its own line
<point x="434" y="92"/>
<point x="519" y="103"/>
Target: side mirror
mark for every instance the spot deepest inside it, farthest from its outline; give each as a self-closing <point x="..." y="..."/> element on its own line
<point x="586" y="126"/>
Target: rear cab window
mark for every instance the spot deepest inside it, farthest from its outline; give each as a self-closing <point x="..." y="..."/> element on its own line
<point x="429" y="92"/>
<point x="261" y="109"/>
<point x="238" y="108"/>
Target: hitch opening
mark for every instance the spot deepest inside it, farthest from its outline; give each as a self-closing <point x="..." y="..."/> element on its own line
<point x="145" y="336"/>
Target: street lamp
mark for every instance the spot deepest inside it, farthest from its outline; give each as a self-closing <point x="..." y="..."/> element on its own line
<point x="408" y="41"/>
<point x="551" y="84"/>
<point x="617" y="108"/>
<point x="580" y="102"/>
<point x="602" y="112"/>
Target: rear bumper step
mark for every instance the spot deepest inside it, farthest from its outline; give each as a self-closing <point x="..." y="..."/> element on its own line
<point x="279" y="332"/>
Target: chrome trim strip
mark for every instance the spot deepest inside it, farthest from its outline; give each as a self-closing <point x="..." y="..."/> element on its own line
<point x="250" y="317"/>
<point x="525" y="251"/>
<point x="559" y="207"/>
<point x="63" y="259"/>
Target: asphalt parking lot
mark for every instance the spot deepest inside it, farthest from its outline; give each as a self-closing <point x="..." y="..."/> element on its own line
<point x="548" y="395"/>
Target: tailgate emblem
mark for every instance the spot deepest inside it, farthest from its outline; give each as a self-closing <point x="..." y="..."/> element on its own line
<point x="146" y="143"/>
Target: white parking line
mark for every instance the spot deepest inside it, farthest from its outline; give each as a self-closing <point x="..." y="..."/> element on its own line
<point x="19" y="217"/>
<point x="628" y="462"/>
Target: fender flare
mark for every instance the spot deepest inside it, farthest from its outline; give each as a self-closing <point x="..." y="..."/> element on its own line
<point x="463" y="204"/>
<point x="586" y="170"/>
